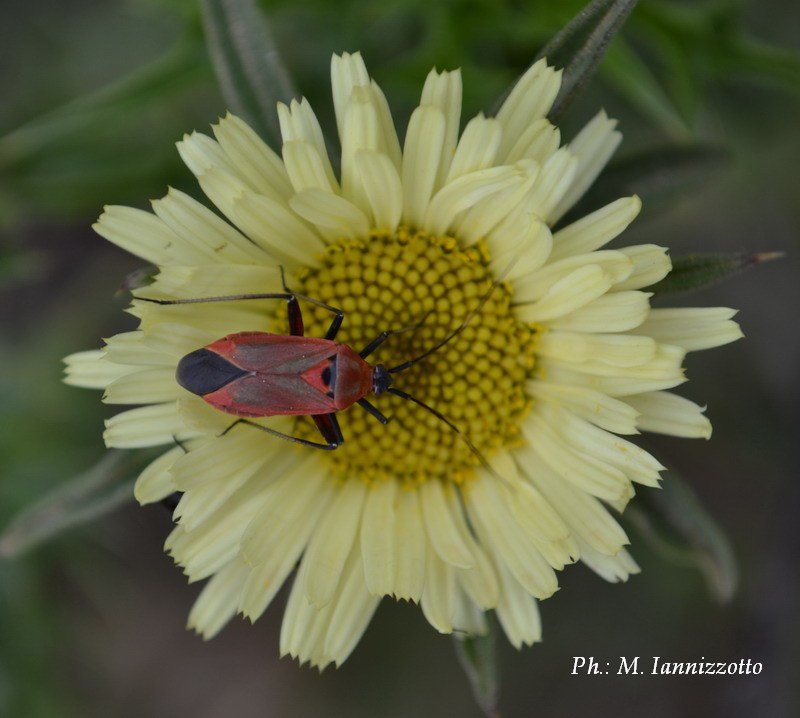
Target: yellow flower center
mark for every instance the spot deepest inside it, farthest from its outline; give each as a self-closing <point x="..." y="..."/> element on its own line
<point x="428" y="286"/>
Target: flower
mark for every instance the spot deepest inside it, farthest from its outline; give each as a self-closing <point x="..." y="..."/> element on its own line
<point x="564" y="357"/>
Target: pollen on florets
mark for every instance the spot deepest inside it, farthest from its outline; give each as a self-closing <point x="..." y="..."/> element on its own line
<point x="428" y="284"/>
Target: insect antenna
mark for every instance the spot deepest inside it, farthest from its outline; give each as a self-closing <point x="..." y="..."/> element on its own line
<point x="474" y="449"/>
<point x="460" y="328"/>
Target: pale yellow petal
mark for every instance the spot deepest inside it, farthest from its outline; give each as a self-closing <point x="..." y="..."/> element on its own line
<point x="148" y="386"/>
<point x="615" y="385"/>
<point x="361" y="132"/>
<point x="440" y="525"/>
<point x="421" y="159"/>
<point x="382" y="188"/>
<point x="552" y="183"/>
<point x="145" y="235"/>
<point x="199" y="226"/>
<point x="438" y="601"/>
<point x="284" y="543"/>
<point x="517" y="610"/>
<point x="155" y="483"/>
<point x="617" y="312"/>
<point x="519" y="247"/>
<point x="347" y="72"/>
<point x="637" y="464"/>
<point x="665" y="413"/>
<point x="567" y="295"/>
<point x="331" y="543"/>
<point x="224" y="189"/>
<point x="378" y="533"/>
<point x="206" y="280"/>
<point x="650" y="265"/>
<point x="477" y="147"/>
<point x="586" y="517"/>
<point x="299" y="489"/>
<point x="616" y="350"/>
<point x="593" y="146"/>
<point x="692" y="328"/>
<point x="443" y="91"/>
<point x="278" y="231"/>
<point x="465" y="192"/>
<point x="304" y="625"/>
<point x="410" y="545"/>
<point x="128" y="348"/>
<point x="580" y="468"/>
<point x="612" y="568"/>
<point x="298" y="122"/>
<point x="533" y="286"/>
<point x="217" y="602"/>
<point x="351" y="615"/>
<point x="390" y="144"/>
<point x="499" y="216"/>
<point x="529" y="100"/>
<point x="534" y="513"/>
<point x="537" y="142"/>
<point x="597" y="229"/>
<point x="200" y="153"/>
<point x="334" y="217"/>
<point x="599" y="408"/>
<point x="307" y="167"/>
<point x="92" y="370"/>
<point x="144" y="426"/>
<point x="257" y="163"/>
<point x="497" y="527"/>
<point x="206" y="549"/>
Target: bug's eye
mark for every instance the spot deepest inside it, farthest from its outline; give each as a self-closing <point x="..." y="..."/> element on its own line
<point x="204" y="371"/>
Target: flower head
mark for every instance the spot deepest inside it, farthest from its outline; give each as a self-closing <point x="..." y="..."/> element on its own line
<point x="558" y="353"/>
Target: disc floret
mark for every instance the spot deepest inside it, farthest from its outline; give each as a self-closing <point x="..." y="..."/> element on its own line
<point x="426" y="285"/>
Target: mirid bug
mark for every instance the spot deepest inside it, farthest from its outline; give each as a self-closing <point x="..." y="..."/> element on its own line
<point x="253" y="374"/>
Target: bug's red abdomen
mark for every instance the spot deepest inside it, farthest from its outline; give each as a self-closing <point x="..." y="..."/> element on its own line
<point x="262" y="374"/>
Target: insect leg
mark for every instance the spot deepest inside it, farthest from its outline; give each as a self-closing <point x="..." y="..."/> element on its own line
<point x="327" y="447"/>
<point x="328" y="426"/>
<point x="383" y="336"/>
<point x="333" y="329"/>
<point x="375" y="343"/>
<point x="295" y="317"/>
<point x="364" y="404"/>
<point x="208" y="300"/>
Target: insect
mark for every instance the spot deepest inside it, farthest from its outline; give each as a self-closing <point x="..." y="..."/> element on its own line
<point x="253" y="374"/>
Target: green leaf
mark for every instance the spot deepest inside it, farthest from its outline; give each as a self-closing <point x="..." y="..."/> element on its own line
<point x="695" y="271"/>
<point x="632" y="78"/>
<point x="81" y="118"/>
<point x="81" y="499"/>
<point x="100" y="144"/>
<point x="680" y="529"/>
<point x="21" y="267"/>
<point x="249" y="68"/>
<point x="580" y="47"/>
<point x="478" y="657"/>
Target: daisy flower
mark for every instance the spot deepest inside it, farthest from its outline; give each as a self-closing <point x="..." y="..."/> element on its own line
<point x="564" y="359"/>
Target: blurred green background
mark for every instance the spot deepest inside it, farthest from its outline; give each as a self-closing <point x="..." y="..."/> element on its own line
<point x="96" y="92"/>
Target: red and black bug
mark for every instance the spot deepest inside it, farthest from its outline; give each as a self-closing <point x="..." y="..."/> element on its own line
<point x="254" y="374"/>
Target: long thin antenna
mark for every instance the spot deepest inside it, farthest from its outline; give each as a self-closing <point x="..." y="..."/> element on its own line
<point x="461" y="327"/>
<point x="474" y="449"/>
